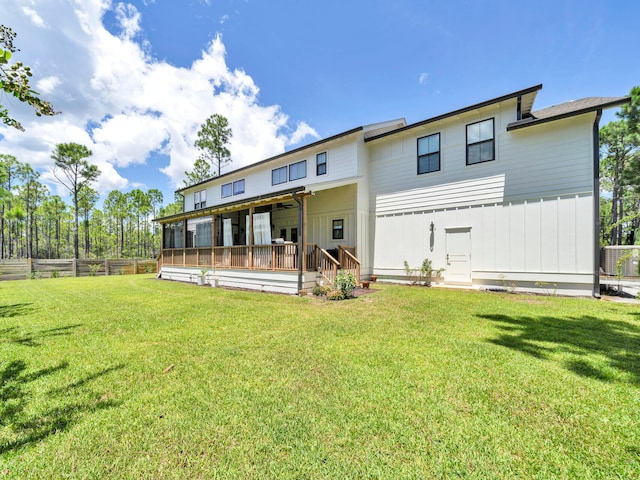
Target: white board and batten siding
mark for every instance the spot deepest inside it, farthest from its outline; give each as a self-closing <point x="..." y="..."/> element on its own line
<point x="529" y="213"/>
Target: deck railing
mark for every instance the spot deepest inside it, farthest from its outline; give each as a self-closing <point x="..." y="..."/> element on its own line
<point x="349" y="262"/>
<point x="327" y="266"/>
<point x="282" y="257"/>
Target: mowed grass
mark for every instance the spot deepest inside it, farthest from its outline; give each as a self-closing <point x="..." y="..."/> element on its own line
<point x="407" y="382"/>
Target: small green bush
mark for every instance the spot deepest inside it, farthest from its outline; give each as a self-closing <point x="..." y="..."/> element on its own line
<point x="335" y="295"/>
<point x="345" y="283"/>
<point x="321" y="290"/>
<point x="93" y="269"/>
<point x="55" y="274"/>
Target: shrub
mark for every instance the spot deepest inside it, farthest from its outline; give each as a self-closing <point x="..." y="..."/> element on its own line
<point x="55" y="274"/>
<point x="335" y="295"/>
<point x="321" y="290"/>
<point x="93" y="269"/>
<point x="346" y="283"/>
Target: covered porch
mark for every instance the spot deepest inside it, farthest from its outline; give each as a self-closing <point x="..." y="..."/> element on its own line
<point x="236" y="245"/>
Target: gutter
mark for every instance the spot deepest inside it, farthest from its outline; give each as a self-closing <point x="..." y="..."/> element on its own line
<point x="596" y="204"/>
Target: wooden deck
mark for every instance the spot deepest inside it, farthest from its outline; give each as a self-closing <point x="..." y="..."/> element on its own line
<point x="277" y="258"/>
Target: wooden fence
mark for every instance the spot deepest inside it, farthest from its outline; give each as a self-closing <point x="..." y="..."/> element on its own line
<point x="39" y="268"/>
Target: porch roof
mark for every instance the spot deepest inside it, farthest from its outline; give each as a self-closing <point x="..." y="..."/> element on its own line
<point x="266" y="199"/>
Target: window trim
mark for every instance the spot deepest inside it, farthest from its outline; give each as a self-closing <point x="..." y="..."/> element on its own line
<point x="439" y="152"/>
<point x="295" y="166"/>
<point x="321" y="164"/>
<point x="200" y="199"/>
<point x="238" y="182"/>
<point x="481" y="142"/>
<point x="337" y="229"/>
<point x="222" y="190"/>
<point x="279" y="169"/>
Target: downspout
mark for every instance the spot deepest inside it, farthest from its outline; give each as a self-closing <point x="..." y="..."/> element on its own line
<point x="300" y="238"/>
<point x="596" y="204"/>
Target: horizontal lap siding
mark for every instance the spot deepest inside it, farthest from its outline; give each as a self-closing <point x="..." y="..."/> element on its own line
<point x="543" y="161"/>
<point x="342" y="162"/>
<point x="472" y="192"/>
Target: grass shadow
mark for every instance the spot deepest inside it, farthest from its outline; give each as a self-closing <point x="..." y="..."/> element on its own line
<point x="20" y="426"/>
<point x="16" y="310"/>
<point x="32" y="339"/>
<point x="592" y="347"/>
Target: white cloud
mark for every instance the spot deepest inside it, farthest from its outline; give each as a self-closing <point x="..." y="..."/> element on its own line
<point x="423" y="78"/>
<point x="129" y="19"/>
<point x="34" y="17"/>
<point x="47" y="85"/>
<point x="301" y="133"/>
<point x="126" y="106"/>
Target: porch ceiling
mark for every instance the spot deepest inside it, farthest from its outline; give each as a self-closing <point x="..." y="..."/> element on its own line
<point x="235" y="206"/>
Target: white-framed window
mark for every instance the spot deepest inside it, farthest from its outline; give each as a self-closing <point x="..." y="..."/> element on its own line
<point x="321" y="163"/>
<point x="238" y="187"/>
<point x="481" y="145"/>
<point x="298" y="170"/>
<point x="278" y="175"/>
<point x="429" y="154"/>
<point x="199" y="199"/>
<point x="235" y="188"/>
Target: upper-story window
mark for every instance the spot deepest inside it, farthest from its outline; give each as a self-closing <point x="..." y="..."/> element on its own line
<point x="278" y="175"/>
<point x="321" y="163"/>
<point x="481" y="142"/>
<point x="298" y="170"/>
<point x="235" y="188"/>
<point x="238" y="187"/>
<point x="199" y="199"/>
<point x="429" y="154"/>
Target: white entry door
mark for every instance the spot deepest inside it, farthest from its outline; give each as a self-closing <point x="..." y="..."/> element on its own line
<point x="458" y="246"/>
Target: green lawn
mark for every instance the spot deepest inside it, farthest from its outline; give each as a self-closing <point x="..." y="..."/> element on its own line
<point x="407" y="382"/>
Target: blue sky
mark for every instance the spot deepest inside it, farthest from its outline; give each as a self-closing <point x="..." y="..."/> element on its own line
<point x="134" y="80"/>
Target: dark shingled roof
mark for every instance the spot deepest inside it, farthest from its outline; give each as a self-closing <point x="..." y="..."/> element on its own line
<point x="568" y="109"/>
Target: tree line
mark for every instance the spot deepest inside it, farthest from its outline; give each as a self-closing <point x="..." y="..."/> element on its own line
<point x="37" y="224"/>
<point x="620" y="176"/>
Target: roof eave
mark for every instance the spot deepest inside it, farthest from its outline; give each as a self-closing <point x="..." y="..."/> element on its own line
<point x="265" y="198"/>
<point x="460" y="111"/>
<point x="276" y="157"/>
<point x="530" y="122"/>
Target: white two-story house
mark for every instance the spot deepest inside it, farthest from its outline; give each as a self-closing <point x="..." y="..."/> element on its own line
<point x="494" y="194"/>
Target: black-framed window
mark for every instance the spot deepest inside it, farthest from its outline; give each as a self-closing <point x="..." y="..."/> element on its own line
<point x="278" y="175"/>
<point x="481" y="145"/>
<point x="294" y="235"/>
<point x="429" y="154"/>
<point x="226" y="190"/>
<point x="199" y="199"/>
<point x="298" y="170"/>
<point x="337" y="230"/>
<point x="238" y="187"/>
<point x="321" y="163"/>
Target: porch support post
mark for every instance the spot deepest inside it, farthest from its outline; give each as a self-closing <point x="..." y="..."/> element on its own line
<point x="302" y="257"/>
<point x="251" y="210"/>
<point x="301" y="237"/>
<point x="184" y="242"/>
<point x="213" y="242"/>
